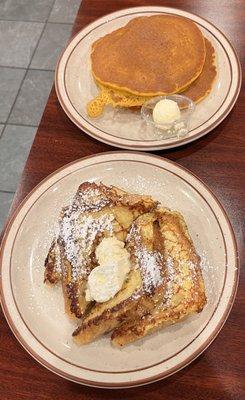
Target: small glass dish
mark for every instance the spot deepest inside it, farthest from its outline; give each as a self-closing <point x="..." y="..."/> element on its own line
<point x="178" y="128"/>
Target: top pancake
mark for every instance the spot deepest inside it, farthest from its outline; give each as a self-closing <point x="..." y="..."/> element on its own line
<point x="154" y="55"/>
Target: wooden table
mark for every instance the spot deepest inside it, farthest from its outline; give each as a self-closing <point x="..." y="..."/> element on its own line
<point x="218" y="159"/>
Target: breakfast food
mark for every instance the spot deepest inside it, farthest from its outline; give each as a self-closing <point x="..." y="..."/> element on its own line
<point x="184" y="292"/>
<point x="153" y="55"/>
<point x="169" y="54"/>
<point x="145" y="284"/>
<point x="202" y="86"/>
<point x="127" y="265"/>
<point x="97" y="211"/>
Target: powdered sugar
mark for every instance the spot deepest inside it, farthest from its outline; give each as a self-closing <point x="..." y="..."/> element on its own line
<point x="78" y="232"/>
<point x="140" y="184"/>
<point x="171" y="275"/>
<point x="176" y="277"/>
<point x="149" y="262"/>
<point x="86" y="234"/>
<point x="91" y="200"/>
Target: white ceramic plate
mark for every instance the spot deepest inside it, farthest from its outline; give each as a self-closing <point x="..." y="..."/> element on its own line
<point x="35" y="311"/>
<point x="120" y="127"/>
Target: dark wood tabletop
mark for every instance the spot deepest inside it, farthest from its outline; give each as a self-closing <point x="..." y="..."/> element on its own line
<point x="218" y="159"/>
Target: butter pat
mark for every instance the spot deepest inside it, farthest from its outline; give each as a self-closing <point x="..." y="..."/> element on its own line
<point x="166" y="112"/>
<point x="107" y="279"/>
<point x="111" y="250"/>
<point x="103" y="283"/>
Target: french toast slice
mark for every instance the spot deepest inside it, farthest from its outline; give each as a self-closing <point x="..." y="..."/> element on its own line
<point x="53" y="273"/>
<point x="185" y="292"/>
<point x="97" y="211"/>
<point x="143" y="289"/>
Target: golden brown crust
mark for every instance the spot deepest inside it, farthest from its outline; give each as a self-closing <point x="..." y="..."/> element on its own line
<point x="202" y="86"/>
<point x="165" y="283"/>
<point x="104" y="317"/>
<point x="139" y="294"/>
<point x="93" y="201"/>
<point x="52" y="273"/>
<point x="184" y="296"/>
<point x="197" y="90"/>
<point x="168" y="54"/>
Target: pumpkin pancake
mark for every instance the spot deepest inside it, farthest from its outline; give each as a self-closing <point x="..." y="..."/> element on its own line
<point x="202" y="86"/>
<point x="150" y="56"/>
<point x="197" y="91"/>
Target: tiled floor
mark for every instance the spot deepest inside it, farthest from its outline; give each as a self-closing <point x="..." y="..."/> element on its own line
<point x="32" y="35"/>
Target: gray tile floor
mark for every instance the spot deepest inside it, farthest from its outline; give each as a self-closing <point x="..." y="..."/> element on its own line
<point x="32" y="35"/>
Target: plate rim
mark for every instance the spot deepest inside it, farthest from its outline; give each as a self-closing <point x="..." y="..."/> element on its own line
<point x="123" y="142"/>
<point x="138" y="382"/>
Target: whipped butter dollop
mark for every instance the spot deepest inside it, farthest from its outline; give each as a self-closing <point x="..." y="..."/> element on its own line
<point x="107" y="278"/>
<point x="166" y="112"/>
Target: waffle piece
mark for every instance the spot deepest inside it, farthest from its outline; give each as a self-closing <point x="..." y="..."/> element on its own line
<point x="142" y="290"/>
<point x="97" y="211"/>
<point x="185" y="292"/>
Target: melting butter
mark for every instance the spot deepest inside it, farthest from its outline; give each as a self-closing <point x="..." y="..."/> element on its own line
<point x="107" y="279"/>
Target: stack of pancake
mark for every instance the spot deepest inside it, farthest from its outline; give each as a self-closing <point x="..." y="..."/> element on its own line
<point x="151" y="56"/>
